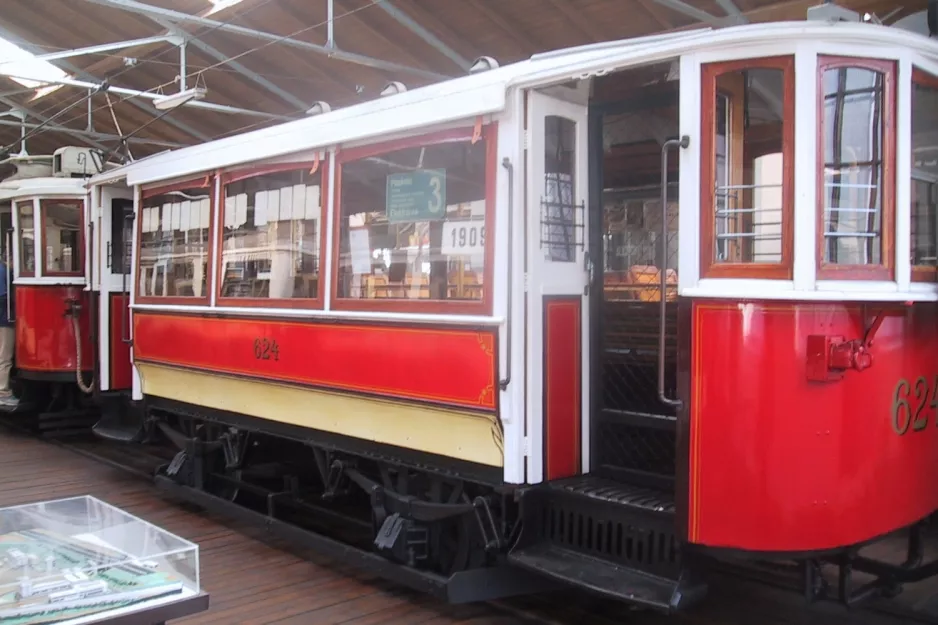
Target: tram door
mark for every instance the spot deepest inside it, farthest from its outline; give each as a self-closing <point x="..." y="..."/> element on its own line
<point x="7" y="236"/>
<point x="116" y="237"/>
<point x="557" y="288"/>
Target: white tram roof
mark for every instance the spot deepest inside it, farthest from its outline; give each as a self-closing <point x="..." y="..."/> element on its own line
<point x="42" y="186"/>
<point x="485" y="93"/>
<point x="118" y="174"/>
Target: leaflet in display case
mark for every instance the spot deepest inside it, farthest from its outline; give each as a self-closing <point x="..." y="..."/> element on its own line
<point x="80" y="560"/>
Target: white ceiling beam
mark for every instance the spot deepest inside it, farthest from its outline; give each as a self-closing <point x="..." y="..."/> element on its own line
<point x="75" y="71"/>
<point x="331" y="52"/>
<point x="107" y="47"/>
<point x="690" y="11"/>
<point x="733" y="11"/>
<point x="89" y="134"/>
<point x="43" y="119"/>
<point x="251" y="75"/>
<point x="418" y="29"/>
<point x="150" y="95"/>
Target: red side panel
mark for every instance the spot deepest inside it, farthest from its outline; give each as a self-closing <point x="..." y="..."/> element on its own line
<point x="449" y="366"/>
<point x="119" y="350"/>
<point x="782" y="463"/>
<point x="562" y="375"/>
<point x="45" y="339"/>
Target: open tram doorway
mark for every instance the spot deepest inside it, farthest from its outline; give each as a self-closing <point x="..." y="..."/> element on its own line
<point x="634" y="237"/>
<point x="114" y="231"/>
<point x="633" y="114"/>
<point x="594" y="222"/>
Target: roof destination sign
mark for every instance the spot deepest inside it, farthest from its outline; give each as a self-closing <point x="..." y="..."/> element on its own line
<point x="418" y="195"/>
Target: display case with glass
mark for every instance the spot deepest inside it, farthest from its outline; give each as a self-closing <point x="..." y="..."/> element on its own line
<point x="81" y="560"/>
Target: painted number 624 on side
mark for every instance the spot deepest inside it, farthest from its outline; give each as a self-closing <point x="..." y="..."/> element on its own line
<point x="909" y="402"/>
<point x="266" y="349"/>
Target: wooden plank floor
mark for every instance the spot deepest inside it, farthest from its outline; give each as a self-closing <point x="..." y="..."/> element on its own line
<point x="249" y="581"/>
<point x="253" y="581"/>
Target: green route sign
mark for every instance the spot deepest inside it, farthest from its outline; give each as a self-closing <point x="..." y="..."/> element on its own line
<point x="418" y="195"/>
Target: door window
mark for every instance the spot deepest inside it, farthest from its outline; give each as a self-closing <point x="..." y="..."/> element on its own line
<point x="121" y="235"/>
<point x="558" y="209"/>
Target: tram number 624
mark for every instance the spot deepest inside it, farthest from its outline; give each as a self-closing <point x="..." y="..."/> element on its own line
<point x="266" y="349"/>
<point x="908" y="404"/>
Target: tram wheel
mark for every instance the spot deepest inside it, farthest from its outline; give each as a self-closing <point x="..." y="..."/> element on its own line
<point x="227" y="490"/>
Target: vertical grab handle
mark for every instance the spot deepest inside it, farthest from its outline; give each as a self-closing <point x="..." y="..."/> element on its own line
<point x="9" y="275"/>
<point x="683" y="142"/>
<point x="506" y="163"/>
<point x="125" y="262"/>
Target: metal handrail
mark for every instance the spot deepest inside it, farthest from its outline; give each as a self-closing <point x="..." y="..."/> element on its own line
<point x="506" y="163"/>
<point x="683" y="142"/>
<point x="125" y="268"/>
<point x="9" y="276"/>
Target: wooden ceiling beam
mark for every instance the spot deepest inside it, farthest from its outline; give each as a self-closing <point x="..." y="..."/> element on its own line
<point x="179" y="17"/>
<point x="657" y="14"/>
<point x="374" y="33"/>
<point x="527" y="45"/>
<point x="583" y="25"/>
<point x="16" y="39"/>
<point x="455" y="41"/>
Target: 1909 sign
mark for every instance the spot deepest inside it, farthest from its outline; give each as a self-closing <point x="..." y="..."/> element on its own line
<point x="909" y="403"/>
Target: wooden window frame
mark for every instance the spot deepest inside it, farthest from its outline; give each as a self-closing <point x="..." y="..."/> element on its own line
<point x="488" y="132"/>
<point x="253" y="172"/>
<point x="19" y="238"/>
<point x="709" y="267"/>
<point x="886" y="270"/>
<point x="206" y="181"/>
<point x="80" y="207"/>
<point x="922" y="273"/>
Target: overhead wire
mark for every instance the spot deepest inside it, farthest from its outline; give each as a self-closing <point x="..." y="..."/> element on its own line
<point x="137" y="62"/>
<point x="201" y="34"/>
<point x="188" y="37"/>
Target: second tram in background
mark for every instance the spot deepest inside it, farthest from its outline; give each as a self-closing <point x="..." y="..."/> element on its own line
<point x="48" y="299"/>
<point x="597" y="318"/>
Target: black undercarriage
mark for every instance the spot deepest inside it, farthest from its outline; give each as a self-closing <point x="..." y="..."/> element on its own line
<point x="464" y="539"/>
<point x="454" y="528"/>
<point x="428" y="527"/>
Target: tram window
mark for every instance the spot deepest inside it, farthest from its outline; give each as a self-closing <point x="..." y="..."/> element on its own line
<point x="747" y="180"/>
<point x="924" y="209"/>
<point x="857" y="153"/>
<point x="413" y="223"/>
<point x="62" y="238"/>
<point x="559" y="224"/>
<point x="6" y="228"/>
<point x="175" y="241"/>
<point x="27" y="231"/>
<point x="272" y="227"/>
<point x="121" y="235"/>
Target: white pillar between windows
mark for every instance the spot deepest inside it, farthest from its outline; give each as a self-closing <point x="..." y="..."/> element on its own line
<point x="903" y="186"/>
<point x="805" y="195"/>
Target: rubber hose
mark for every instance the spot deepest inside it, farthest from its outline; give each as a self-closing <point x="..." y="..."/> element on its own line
<point x="87" y="389"/>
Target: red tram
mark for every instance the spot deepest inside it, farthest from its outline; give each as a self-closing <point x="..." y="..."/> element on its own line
<point x="44" y="203"/>
<point x="601" y="317"/>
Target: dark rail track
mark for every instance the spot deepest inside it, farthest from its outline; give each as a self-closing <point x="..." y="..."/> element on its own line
<point x="736" y="597"/>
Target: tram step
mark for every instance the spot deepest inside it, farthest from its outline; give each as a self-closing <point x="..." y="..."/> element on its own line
<point x="611" y="538"/>
<point x="122" y="434"/>
<point x="116" y="424"/>
<point x="600" y="490"/>
<point x="605" y="578"/>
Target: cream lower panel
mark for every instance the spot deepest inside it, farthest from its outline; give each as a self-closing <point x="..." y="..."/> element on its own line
<point x="450" y="433"/>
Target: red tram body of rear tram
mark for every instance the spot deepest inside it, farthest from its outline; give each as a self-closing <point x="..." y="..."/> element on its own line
<point x="44" y="203"/>
<point x="443" y="314"/>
